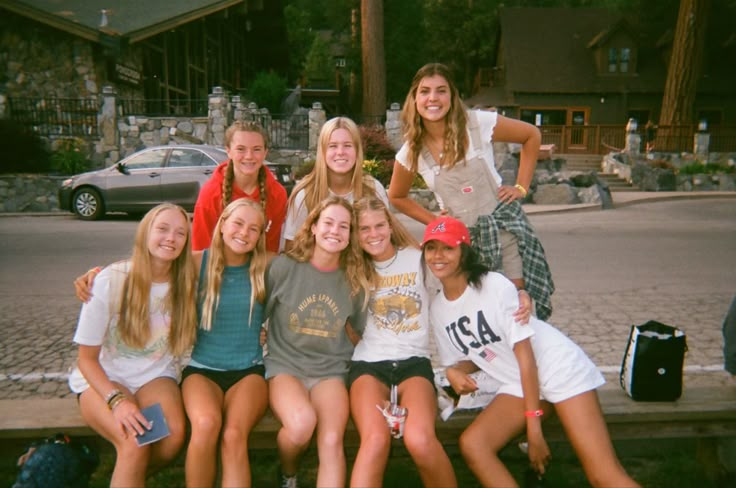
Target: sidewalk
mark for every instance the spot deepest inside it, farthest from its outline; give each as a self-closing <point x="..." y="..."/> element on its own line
<point x="625" y="198"/>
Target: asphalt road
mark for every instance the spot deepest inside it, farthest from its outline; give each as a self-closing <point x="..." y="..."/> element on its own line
<point x="672" y="261"/>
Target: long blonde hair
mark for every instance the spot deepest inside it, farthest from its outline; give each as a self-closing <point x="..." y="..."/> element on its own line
<point x="456" y="120"/>
<point x="227" y="181"/>
<point x="356" y="266"/>
<point x="316" y="184"/>
<point x="210" y="294"/>
<point x="134" y="323"/>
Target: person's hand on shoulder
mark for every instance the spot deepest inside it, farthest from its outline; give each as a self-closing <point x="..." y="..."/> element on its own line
<point x="83" y="284"/>
<point x="524" y="311"/>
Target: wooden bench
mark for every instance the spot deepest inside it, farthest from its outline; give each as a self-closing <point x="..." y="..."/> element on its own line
<point x="706" y="413"/>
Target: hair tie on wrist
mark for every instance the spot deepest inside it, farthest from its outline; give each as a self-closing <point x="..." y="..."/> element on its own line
<point x="533" y="413"/>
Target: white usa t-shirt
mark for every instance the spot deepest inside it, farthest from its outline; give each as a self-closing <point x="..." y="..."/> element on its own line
<point x="479" y="326"/>
<point x="131" y="367"/>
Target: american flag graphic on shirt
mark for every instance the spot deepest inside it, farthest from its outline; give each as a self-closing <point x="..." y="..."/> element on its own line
<point x="487" y="354"/>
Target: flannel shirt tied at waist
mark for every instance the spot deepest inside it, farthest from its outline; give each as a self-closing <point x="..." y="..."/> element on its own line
<point x="537" y="276"/>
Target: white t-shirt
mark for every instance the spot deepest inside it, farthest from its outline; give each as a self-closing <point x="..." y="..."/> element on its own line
<point x="132" y="367"/>
<point x="479" y="326"/>
<point x="398" y="313"/>
<point x="297" y="213"/>
<point x="486" y="123"/>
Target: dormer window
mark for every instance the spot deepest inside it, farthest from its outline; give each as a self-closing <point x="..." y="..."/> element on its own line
<point x="625" y="55"/>
<point x="618" y="59"/>
<point x="612" y="59"/>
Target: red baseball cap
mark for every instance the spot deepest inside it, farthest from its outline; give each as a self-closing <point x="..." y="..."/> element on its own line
<point x="447" y="230"/>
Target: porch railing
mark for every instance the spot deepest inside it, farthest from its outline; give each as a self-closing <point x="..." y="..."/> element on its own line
<point x="55" y="116"/>
<point x="600" y="139"/>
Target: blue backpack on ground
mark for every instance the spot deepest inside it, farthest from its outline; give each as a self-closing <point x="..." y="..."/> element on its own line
<point x="57" y="462"/>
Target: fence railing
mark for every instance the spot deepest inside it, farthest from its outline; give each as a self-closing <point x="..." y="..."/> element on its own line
<point x="163" y="108"/>
<point x="285" y="131"/>
<point x="55" y="116"/>
<point x="600" y="139"/>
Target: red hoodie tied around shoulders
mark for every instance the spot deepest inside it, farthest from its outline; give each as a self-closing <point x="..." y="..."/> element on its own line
<point x="209" y="207"/>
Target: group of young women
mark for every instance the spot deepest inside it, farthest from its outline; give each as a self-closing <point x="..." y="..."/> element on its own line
<point x="347" y="306"/>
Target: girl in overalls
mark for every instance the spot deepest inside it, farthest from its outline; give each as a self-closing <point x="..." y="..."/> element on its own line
<point x="451" y="148"/>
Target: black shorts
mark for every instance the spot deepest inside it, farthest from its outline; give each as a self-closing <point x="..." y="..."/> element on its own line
<point x="224" y="379"/>
<point x="392" y="372"/>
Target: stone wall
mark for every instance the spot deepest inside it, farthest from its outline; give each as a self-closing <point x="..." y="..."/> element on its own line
<point x="658" y="172"/>
<point x="29" y="193"/>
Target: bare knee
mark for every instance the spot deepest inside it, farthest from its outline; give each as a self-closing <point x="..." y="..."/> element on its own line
<point x="472" y="445"/>
<point x="331" y="440"/>
<point x="300" y="425"/>
<point x="419" y="443"/>
<point x="234" y="439"/>
<point x="376" y="442"/>
<point x="206" y="427"/>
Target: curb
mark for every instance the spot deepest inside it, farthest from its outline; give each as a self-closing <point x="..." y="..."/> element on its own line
<point x="624" y="199"/>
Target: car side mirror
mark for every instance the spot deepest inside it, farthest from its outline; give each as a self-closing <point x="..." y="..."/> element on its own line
<point x="121" y="167"/>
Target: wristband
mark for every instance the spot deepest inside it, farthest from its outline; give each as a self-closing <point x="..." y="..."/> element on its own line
<point x="523" y="190"/>
<point x="533" y="413"/>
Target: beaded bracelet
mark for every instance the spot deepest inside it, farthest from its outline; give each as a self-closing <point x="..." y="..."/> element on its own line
<point x="533" y="413"/>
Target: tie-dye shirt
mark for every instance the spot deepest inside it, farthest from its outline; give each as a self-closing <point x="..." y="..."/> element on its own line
<point x="129" y="366"/>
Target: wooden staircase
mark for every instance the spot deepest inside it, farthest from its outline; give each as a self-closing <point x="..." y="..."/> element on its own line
<point x="592" y="162"/>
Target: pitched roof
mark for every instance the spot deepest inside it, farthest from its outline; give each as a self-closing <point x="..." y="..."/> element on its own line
<point x="552" y="50"/>
<point x="134" y="20"/>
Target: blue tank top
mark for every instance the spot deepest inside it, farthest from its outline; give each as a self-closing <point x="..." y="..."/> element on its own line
<point x="232" y="343"/>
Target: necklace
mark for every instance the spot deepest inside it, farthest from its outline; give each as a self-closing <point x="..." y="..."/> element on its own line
<point x="386" y="266"/>
<point x="439" y="148"/>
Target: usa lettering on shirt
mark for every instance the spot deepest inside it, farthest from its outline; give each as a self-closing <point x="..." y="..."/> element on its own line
<point x="467" y="335"/>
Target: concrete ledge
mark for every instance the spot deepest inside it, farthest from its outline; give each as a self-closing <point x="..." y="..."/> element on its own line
<point x="702" y="412"/>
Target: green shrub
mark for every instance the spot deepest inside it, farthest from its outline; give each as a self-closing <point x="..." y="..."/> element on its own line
<point x="268" y="89"/>
<point x="711" y="168"/>
<point x="69" y="156"/>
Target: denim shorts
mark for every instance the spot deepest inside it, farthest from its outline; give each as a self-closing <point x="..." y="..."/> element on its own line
<point x="224" y="379"/>
<point x="392" y="372"/>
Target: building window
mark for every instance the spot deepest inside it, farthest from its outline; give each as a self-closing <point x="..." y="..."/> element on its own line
<point x="612" y="60"/>
<point x="340" y="62"/>
<point x="625" y="55"/>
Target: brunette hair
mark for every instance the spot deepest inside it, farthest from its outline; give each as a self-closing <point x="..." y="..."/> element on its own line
<point x="316" y="184"/>
<point x="210" y="295"/>
<point x="134" y="323"/>
<point x="227" y="181"/>
<point x="353" y="262"/>
<point x="471" y="265"/>
<point x="456" y="138"/>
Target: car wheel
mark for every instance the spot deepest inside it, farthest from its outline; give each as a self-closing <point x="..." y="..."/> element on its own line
<point x="87" y="204"/>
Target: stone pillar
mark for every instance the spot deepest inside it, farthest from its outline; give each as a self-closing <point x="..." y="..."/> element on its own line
<point x="218" y="116"/>
<point x="238" y="107"/>
<point x="633" y="139"/>
<point x="701" y="143"/>
<point x="317" y="118"/>
<point x="393" y="125"/>
<point x="3" y="105"/>
<point x="107" y="121"/>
